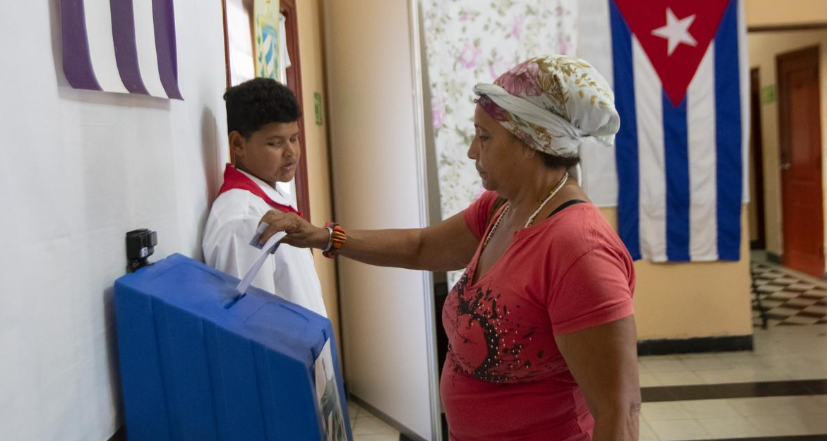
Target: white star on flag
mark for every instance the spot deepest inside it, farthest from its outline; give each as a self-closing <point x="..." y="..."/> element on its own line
<point x="676" y="31"/>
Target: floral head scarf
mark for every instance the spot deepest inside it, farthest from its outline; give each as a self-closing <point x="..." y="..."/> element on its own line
<point x="552" y="103"/>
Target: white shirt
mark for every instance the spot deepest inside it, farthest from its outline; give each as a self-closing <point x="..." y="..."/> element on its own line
<point x="233" y="219"/>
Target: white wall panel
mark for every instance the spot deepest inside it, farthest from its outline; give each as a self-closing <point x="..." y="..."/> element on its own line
<point x="376" y="146"/>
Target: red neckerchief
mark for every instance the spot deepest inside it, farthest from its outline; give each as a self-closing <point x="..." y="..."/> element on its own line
<point x="234" y="179"/>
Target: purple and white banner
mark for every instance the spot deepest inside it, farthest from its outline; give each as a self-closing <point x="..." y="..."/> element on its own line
<point x="125" y="46"/>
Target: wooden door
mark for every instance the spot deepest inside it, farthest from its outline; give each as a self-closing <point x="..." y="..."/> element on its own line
<point x="801" y="179"/>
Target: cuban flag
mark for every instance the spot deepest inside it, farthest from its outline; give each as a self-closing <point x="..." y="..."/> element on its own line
<point x="680" y="79"/>
<point x="125" y="46"/>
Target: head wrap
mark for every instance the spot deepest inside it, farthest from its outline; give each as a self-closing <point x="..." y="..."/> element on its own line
<point x="552" y="104"/>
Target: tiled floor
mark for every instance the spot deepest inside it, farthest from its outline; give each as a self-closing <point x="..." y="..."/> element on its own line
<point x="366" y="427"/>
<point x="788" y="297"/>
<point x="782" y="355"/>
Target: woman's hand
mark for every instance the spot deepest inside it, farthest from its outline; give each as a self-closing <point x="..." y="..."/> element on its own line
<point x="448" y="245"/>
<point x="300" y="233"/>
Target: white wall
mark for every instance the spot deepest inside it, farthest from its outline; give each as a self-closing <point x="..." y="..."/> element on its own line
<point x="377" y="183"/>
<point x="77" y="170"/>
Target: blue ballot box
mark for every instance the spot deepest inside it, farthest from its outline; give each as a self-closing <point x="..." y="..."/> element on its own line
<point x="200" y="362"/>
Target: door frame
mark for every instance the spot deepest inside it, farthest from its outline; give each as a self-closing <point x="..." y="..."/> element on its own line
<point x="757" y="157"/>
<point x="294" y="83"/>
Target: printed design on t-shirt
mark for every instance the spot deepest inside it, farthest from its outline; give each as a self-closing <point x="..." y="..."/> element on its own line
<point x="482" y="309"/>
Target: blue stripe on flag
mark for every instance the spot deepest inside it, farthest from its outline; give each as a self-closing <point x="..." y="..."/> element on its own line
<point x="626" y="141"/>
<point x="676" y="163"/>
<point x="728" y="137"/>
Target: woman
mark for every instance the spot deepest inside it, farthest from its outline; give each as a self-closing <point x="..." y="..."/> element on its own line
<point x="542" y="340"/>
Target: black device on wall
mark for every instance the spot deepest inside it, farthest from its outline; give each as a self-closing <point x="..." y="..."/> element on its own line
<point x="140" y="244"/>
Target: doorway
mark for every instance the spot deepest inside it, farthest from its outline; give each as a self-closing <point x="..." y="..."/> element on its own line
<point x="799" y="114"/>
<point x="758" y="229"/>
<point x="239" y="37"/>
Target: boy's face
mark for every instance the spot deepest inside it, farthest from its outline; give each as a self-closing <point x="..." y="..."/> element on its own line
<point x="271" y="154"/>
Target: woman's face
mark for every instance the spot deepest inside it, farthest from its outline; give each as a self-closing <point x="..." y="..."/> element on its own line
<point x="495" y="151"/>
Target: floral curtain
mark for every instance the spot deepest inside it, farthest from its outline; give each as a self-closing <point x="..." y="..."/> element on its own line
<point x="466" y="42"/>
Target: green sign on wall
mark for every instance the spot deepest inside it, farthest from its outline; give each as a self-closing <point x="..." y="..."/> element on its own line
<point x="317" y="107"/>
<point x="768" y="94"/>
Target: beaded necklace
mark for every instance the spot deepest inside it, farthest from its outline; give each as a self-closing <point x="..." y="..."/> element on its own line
<point x="533" y="216"/>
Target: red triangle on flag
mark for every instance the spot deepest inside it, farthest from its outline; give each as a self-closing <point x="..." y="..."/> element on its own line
<point x="675" y="35"/>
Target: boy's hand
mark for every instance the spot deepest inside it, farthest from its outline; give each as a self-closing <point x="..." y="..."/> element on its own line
<point x="300" y="233"/>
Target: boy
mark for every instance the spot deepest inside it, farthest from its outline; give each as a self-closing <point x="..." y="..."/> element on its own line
<point x="262" y="121"/>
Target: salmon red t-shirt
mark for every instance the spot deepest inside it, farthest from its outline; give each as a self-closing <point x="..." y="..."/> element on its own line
<point x="504" y="377"/>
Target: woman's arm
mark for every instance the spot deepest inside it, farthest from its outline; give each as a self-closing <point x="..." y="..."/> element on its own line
<point x="603" y="361"/>
<point x="448" y="245"/>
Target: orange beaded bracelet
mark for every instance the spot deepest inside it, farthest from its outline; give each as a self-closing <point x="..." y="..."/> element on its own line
<point x="338" y="237"/>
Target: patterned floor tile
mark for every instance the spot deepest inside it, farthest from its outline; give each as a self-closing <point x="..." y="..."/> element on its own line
<point x="800" y="287"/>
<point x="786" y="298"/>
<point x="769" y="288"/>
<point x="802" y="302"/>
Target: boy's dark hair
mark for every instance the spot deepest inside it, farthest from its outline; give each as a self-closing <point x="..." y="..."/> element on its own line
<point x="255" y="103"/>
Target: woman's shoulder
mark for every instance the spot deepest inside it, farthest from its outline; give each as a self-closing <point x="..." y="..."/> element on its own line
<point x="579" y="228"/>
